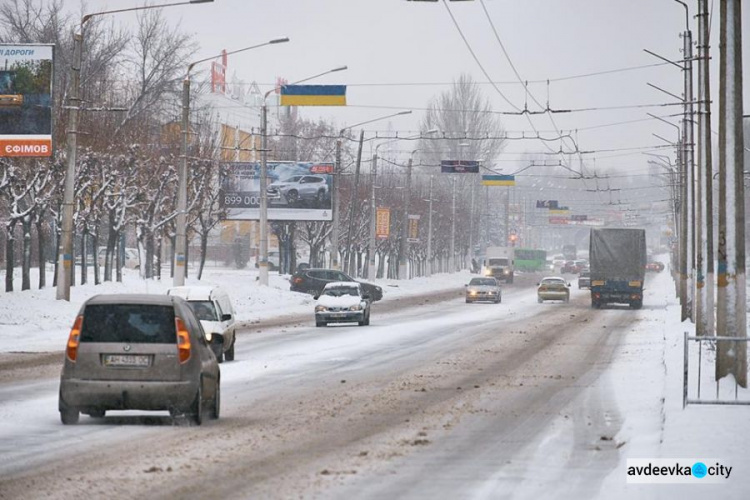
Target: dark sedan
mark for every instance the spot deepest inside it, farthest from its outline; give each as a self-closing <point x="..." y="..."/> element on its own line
<point x="313" y="281"/>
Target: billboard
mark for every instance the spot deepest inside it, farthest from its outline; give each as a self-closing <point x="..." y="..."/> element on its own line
<point x="26" y="100"/>
<point x="459" y="166"/>
<point x="295" y="190"/>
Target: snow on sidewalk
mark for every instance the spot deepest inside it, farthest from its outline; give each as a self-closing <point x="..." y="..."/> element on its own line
<point x="647" y="380"/>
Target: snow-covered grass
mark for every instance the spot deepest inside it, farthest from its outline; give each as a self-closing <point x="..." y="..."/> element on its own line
<point x="33" y="320"/>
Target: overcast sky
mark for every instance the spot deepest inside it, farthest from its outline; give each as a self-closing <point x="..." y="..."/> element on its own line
<point x="418" y="46"/>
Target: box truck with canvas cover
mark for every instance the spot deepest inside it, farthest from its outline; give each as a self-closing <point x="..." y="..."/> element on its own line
<point x="618" y="262"/>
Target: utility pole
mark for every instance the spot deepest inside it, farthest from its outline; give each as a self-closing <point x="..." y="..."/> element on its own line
<point x="404" y="246"/>
<point x="453" y="228"/>
<point x="371" y="272"/>
<point x="731" y="358"/>
<point x="65" y="267"/>
<point x="687" y="137"/>
<point x="336" y="206"/>
<point x="350" y="264"/>
<point x="429" y="232"/>
<point x="705" y="315"/>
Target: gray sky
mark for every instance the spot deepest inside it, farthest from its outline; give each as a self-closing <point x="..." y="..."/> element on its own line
<point x="394" y="41"/>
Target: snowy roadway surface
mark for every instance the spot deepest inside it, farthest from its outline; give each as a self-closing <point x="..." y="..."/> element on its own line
<point x="436" y="399"/>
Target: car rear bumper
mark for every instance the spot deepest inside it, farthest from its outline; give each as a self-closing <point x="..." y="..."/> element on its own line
<point x="126" y="395"/>
<point x="339" y="317"/>
<point x="553" y="295"/>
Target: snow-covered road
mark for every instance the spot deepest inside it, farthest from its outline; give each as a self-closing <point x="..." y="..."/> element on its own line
<point x="441" y="401"/>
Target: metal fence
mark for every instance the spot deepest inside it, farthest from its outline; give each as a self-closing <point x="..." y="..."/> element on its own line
<point x="711" y="348"/>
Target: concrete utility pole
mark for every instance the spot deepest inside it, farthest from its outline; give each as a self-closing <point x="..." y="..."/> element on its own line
<point x="705" y="315"/>
<point x="453" y="228"/>
<point x="404" y="246"/>
<point x="731" y="357"/>
<point x="688" y="151"/>
<point x="429" y="232"/>
<point x="350" y="264"/>
<point x="180" y="254"/>
<point x="65" y="266"/>
<point x="371" y="271"/>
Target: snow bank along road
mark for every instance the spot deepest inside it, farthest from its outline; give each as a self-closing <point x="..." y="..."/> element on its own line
<point x="438" y="399"/>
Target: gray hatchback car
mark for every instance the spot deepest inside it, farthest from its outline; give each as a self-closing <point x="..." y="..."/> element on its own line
<point x="138" y="352"/>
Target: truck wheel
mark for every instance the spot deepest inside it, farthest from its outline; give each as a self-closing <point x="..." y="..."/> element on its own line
<point x="69" y="416"/>
<point x="320" y="323"/>
<point x="595" y="304"/>
<point x="636" y="305"/>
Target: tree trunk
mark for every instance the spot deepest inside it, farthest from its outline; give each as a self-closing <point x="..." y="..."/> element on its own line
<point x="26" y="254"/>
<point x="95" y="244"/>
<point x="157" y="274"/>
<point x="84" y="252"/>
<point x="204" y="246"/>
<point x="42" y="263"/>
<point x="9" y="255"/>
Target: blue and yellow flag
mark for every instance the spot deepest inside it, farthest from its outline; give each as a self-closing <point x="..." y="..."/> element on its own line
<point x="313" y="95"/>
<point x="498" y="180"/>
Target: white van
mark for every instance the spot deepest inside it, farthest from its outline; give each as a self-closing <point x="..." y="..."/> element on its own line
<point x="213" y="308"/>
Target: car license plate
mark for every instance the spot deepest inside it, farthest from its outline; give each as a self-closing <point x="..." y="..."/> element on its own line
<point x="133" y="360"/>
<point x="338" y="315"/>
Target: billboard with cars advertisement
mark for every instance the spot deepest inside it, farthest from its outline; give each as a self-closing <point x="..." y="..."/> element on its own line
<point x="26" y="100"/>
<point x="295" y="190"/>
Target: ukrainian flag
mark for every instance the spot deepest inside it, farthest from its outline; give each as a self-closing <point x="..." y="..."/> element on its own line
<point x="313" y="95"/>
<point x="498" y="180"/>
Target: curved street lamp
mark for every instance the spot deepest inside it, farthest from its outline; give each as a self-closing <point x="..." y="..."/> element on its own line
<point x="180" y="254"/>
<point x="65" y="262"/>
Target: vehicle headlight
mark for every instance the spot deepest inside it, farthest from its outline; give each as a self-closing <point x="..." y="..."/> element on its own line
<point x="209" y="336"/>
<point x="472" y="292"/>
<point x="320" y="309"/>
<point x="358" y="307"/>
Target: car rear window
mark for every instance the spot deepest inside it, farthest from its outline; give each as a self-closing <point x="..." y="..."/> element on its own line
<point x="131" y="323"/>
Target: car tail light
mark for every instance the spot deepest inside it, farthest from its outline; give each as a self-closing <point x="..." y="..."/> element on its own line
<point x="597" y="295"/>
<point x="183" y="340"/>
<point x="74" y="339"/>
<point x="297" y="280"/>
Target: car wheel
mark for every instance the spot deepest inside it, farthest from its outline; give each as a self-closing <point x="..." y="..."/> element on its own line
<point x="229" y="355"/>
<point x="196" y="409"/>
<point x="292" y="197"/>
<point x="367" y="321"/>
<point x="69" y="416"/>
<point x="320" y="198"/>
<point x="361" y="323"/>
<point x="218" y="350"/>
<point x="499" y="300"/>
<point x="321" y="323"/>
<point x="540" y="300"/>
<point x="97" y="413"/>
<point x="567" y="299"/>
<point x="216" y="402"/>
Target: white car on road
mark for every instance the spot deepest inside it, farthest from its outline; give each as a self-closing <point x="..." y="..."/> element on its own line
<point x="342" y="302"/>
<point x="212" y="306"/>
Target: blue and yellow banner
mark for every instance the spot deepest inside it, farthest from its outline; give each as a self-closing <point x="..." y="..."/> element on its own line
<point x="313" y="95"/>
<point x="498" y="180"/>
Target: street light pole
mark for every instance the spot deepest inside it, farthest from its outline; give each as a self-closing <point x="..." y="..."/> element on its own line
<point x="453" y="227"/>
<point x="65" y="261"/>
<point x="263" y="222"/>
<point x="404" y="247"/>
<point x="180" y="263"/>
<point x="429" y="232"/>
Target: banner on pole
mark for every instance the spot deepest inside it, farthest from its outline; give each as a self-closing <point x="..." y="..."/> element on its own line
<point x="413" y="229"/>
<point x="383" y="223"/>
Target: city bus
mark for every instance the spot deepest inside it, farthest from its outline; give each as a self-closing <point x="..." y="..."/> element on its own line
<point x="528" y="259"/>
